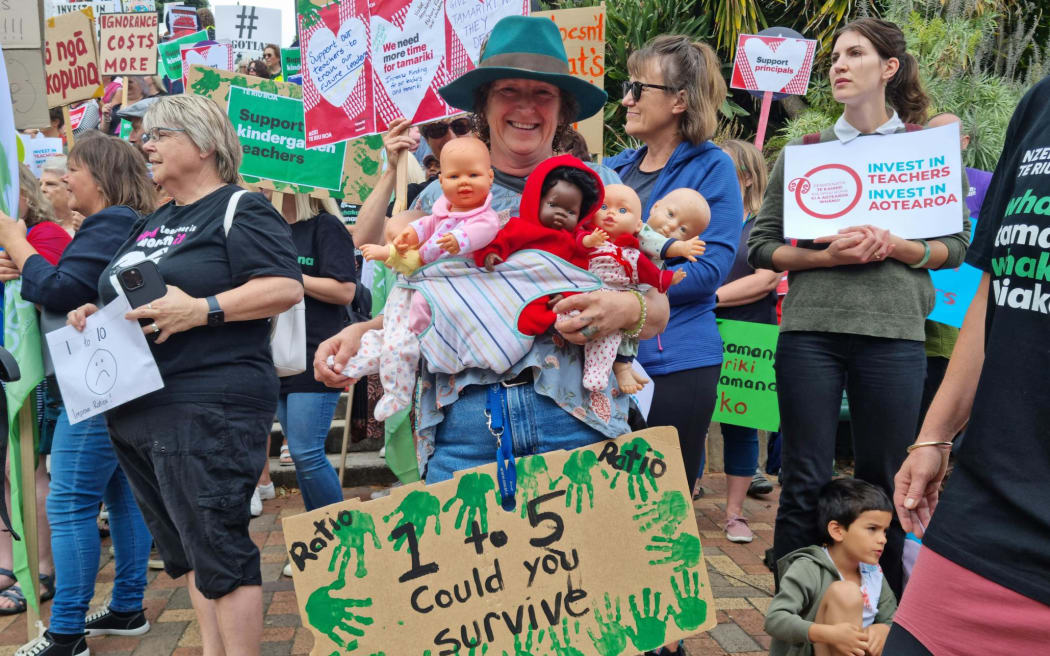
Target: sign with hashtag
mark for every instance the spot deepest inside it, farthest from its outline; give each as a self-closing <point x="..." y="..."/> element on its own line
<point x="249" y="29"/>
<point x="596" y="553"/>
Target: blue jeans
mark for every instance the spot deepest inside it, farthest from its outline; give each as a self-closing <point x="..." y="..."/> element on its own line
<point x="306" y="418"/>
<point x="883" y="380"/>
<point x="535" y="424"/>
<point x="740" y="450"/>
<point x="84" y="472"/>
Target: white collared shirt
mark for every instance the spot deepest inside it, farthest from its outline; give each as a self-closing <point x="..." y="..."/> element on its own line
<point x="847" y="133"/>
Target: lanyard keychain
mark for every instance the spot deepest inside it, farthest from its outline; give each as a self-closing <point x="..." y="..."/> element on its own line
<point x="506" y="471"/>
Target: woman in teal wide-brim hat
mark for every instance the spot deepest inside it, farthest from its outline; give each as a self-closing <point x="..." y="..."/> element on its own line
<point x="523" y="100"/>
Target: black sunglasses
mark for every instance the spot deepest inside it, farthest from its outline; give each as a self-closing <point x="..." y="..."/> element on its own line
<point x="436" y="130"/>
<point x="635" y="88"/>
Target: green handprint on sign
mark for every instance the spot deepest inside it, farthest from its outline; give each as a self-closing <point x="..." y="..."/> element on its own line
<point x="526" y="649"/>
<point x="529" y="469"/>
<point x="578" y="470"/>
<point x="649" y="630"/>
<point x="613" y="638"/>
<point x="333" y="616"/>
<point x="692" y="610"/>
<point x="684" y="550"/>
<point x="631" y="459"/>
<point x="471" y="492"/>
<point x="474" y="650"/>
<point x="567" y="649"/>
<point x="669" y="512"/>
<point x="416" y="509"/>
<point x="352" y="538"/>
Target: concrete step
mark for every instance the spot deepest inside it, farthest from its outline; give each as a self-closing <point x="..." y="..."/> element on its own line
<point x="333" y="443"/>
<point x="362" y="468"/>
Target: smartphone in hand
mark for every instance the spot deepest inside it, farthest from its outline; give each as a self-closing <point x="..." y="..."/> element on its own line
<point x="142" y="284"/>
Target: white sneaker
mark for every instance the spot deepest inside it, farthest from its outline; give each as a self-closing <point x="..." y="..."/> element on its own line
<point x="266" y="491"/>
<point x="382" y="451"/>
<point x="256" y="503"/>
<point x="287" y="571"/>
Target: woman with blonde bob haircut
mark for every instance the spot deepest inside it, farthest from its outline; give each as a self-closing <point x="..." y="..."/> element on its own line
<point x="192" y="451"/>
<point x="671" y="99"/>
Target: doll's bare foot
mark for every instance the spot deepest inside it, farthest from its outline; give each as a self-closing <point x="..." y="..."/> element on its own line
<point x="625" y="378"/>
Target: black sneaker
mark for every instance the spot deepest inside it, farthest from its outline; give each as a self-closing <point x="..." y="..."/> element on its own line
<point x="46" y="645"/>
<point x="759" y="485"/>
<point x="106" y="622"/>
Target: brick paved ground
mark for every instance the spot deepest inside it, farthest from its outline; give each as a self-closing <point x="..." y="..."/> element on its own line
<point x="742" y="587"/>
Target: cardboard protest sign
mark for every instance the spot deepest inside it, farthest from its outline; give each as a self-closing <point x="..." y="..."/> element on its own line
<point x="747" y="385"/>
<point x="97" y="7"/>
<point x="908" y="183"/>
<point x="583" y="34"/>
<point x="469" y="23"/>
<point x="214" y="55"/>
<point x="270" y="129"/>
<point x="25" y="74"/>
<point x="361" y="162"/>
<point x="180" y="18"/>
<point x="336" y="72"/>
<point x="129" y="43"/>
<point x="248" y="29"/>
<point x="71" y="59"/>
<point x="408" y="60"/>
<point x="599" y="556"/>
<point x="170" y="53"/>
<point x="291" y="62"/>
<point x="19" y="24"/>
<point x="773" y="63"/>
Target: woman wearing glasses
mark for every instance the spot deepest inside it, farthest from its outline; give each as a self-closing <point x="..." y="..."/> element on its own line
<point x="193" y="450"/>
<point x="258" y="68"/>
<point x="672" y="100"/>
<point x="272" y="59"/>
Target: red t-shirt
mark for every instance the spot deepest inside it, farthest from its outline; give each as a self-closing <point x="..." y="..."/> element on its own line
<point x="49" y="239"/>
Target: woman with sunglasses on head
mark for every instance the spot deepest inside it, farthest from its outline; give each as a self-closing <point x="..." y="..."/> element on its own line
<point x="672" y="100"/>
<point x="272" y="59"/>
<point x="257" y="68"/>
<point x="854" y="315"/>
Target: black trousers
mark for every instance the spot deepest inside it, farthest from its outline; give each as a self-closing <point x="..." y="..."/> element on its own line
<point x="902" y="643"/>
<point x="883" y="380"/>
<point x="686" y="400"/>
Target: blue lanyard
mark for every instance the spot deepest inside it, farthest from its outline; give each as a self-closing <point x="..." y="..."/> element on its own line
<point x="506" y="471"/>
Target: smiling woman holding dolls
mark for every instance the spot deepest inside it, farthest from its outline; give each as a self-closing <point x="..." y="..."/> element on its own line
<point x="854" y="314"/>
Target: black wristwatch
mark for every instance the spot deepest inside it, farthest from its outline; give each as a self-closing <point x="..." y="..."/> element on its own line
<point x="216" y="317"/>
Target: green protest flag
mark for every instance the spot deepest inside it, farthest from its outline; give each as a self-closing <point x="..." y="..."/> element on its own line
<point x="291" y="62"/>
<point x="270" y="129"/>
<point x="747" y="386"/>
<point x="22" y="339"/>
<point x="171" y="59"/>
<point x="125" y="129"/>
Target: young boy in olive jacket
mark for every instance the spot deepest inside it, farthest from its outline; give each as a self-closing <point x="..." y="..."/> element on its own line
<point x="835" y="594"/>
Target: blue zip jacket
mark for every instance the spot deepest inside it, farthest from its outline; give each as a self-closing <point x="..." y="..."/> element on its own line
<point x="691" y="339"/>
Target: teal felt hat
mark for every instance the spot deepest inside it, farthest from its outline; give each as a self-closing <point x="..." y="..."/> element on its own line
<point x="524" y="47"/>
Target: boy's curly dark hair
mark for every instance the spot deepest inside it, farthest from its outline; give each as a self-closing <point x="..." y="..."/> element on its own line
<point x="843" y="500"/>
<point x="577" y="178"/>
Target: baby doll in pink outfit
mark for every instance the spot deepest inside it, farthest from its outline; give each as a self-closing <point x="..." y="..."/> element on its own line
<point x="462" y="222"/>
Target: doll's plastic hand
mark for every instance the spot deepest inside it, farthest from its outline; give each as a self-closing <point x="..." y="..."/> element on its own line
<point x="491" y="260"/>
<point x="678" y="277"/>
<point x="596" y="238"/>
<point x="375" y="252"/>
<point x="690" y="249"/>
<point x="448" y="244"/>
<point x="406" y="240"/>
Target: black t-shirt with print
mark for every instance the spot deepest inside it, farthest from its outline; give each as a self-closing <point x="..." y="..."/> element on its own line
<point x="994" y="518"/>
<point x="229" y="363"/>
<point x="325" y="250"/>
<point x="641" y="181"/>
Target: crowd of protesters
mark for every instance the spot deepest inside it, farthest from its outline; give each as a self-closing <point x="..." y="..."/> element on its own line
<point x="179" y="469"/>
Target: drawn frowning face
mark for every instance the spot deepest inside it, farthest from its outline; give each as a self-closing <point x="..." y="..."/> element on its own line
<point x="101" y="373"/>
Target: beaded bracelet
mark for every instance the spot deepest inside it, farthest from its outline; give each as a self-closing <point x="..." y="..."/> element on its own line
<point x="637" y="330"/>
<point x="922" y="444"/>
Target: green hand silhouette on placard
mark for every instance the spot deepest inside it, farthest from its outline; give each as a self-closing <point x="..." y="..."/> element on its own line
<point x="416" y="509"/>
<point x="668" y="512"/>
<point x="683" y="550"/>
<point x="567" y="649"/>
<point x="692" y="610"/>
<point x="471" y="493"/>
<point x="333" y="616"/>
<point x="525" y="649"/>
<point x="637" y="475"/>
<point x="529" y="469"/>
<point x="649" y="630"/>
<point x="613" y="637"/>
<point x="578" y="470"/>
<point x="352" y="539"/>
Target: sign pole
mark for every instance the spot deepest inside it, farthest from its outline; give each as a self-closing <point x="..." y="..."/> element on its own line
<point x="28" y="461"/>
<point x="68" y="123"/>
<point x="763" y="119"/>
